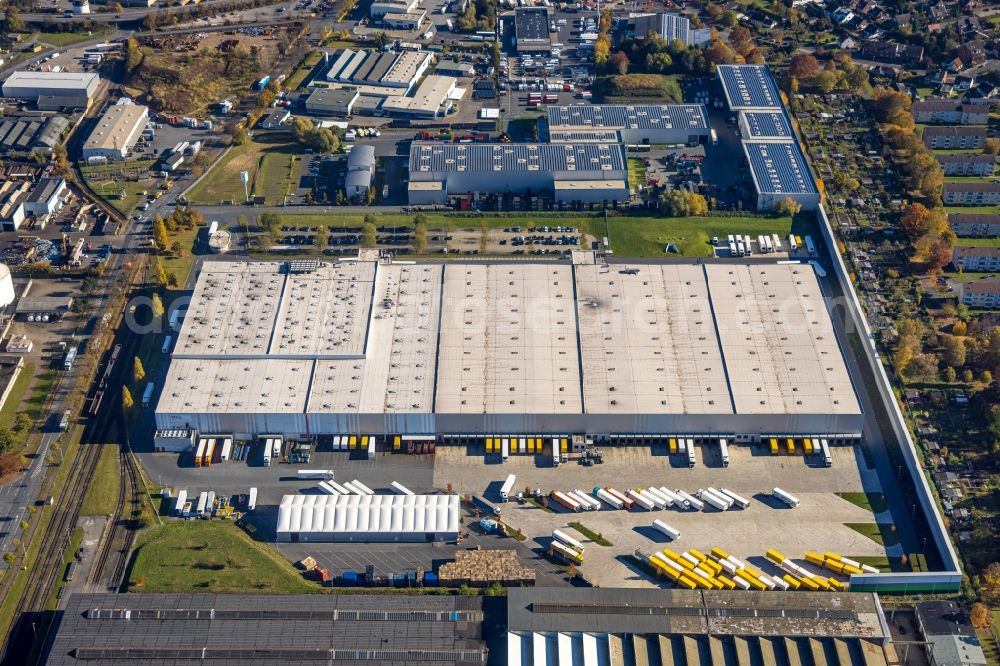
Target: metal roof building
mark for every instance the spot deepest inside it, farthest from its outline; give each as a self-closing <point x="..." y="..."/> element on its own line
<point x="360" y="169"/>
<point x="749" y="87"/>
<point x="640" y="123"/>
<point x="531" y="29"/>
<point x="766" y="125"/>
<point x="268" y="630"/>
<point x="633" y="627"/>
<point x="779" y="170"/>
<point x="116" y="132"/>
<point x="56" y="88"/>
<point x="574" y="172"/>
<point x="671" y="27"/>
<point x="425" y="349"/>
<point x="368" y="518"/>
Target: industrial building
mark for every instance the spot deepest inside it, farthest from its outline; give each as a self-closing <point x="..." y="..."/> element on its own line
<point x="46" y="197"/>
<point x="380" y="8"/>
<point x="377" y="72"/>
<point x="360" y="170"/>
<point x="765" y="126"/>
<point x="590" y="172"/>
<point x="302" y="349"/>
<point x="633" y="627"/>
<point x="332" y="101"/>
<point x="406" y="21"/>
<point x="24" y="133"/>
<point x="434" y="97"/>
<point x="13" y="194"/>
<point x="195" y="629"/>
<point x="636" y="124"/>
<point x="779" y="171"/>
<point x="950" y="639"/>
<point x="671" y="27"/>
<point x="531" y="30"/>
<point x="115" y="133"/>
<point x="52" y="90"/>
<point x="749" y="87"/>
<point x="368" y="518"/>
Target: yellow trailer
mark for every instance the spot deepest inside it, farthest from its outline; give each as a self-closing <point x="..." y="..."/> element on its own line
<point x="684" y="581"/>
<point x="711" y="566"/>
<point x="752" y="580"/>
<point x="563" y="445"/>
<point x="807" y="445"/>
<point x="823" y="583"/>
<point x="790" y="445"/>
<point x="835" y="567"/>
<point x="697" y="554"/>
<point x="793" y="582"/>
<point x="774" y="447"/>
<point x="726" y="582"/>
<point x="850" y="569"/>
<point x="832" y="556"/>
<point x="836" y="584"/>
<point x="671" y="554"/>
<point x="815" y="558"/>
<point x="352" y="442"/>
<point x="810" y="584"/>
<point x="397" y="443"/>
<point x="774" y="556"/>
<point x="673" y="445"/>
<point x="719" y="554"/>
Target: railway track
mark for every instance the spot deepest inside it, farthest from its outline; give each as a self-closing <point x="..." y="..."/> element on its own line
<point x="113" y="553"/>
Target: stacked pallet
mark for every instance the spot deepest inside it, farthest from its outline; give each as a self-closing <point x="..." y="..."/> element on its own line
<point x="481" y="568"/>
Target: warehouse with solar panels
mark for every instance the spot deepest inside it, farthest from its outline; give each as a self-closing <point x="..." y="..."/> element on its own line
<point x="464" y="351"/>
<point x="635" y="124"/>
<point x="778" y="166"/>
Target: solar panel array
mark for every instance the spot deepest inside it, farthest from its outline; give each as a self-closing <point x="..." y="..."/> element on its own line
<point x="749" y="87"/>
<point x="767" y="125"/>
<point x="436" y="157"/>
<point x="594" y="136"/>
<point x="531" y="24"/>
<point x="621" y="116"/>
<point x="779" y="168"/>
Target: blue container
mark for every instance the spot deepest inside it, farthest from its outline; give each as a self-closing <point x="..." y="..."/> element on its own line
<point x="350" y="578"/>
<point x="398" y="580"/>
<point x="430" y="579"/>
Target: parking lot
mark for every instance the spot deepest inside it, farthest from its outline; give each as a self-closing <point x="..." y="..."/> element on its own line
<point x="818" y="524"/>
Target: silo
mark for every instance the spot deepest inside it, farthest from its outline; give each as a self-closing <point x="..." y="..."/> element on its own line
<point x="6" y="286"/>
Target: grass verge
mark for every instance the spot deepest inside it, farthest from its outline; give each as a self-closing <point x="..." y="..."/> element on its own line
<point x="68" y="38"/>
<point x="880" y="533"/>
<point x="210" y="556"/>
<point x="222" y="182"/>
<point x="590" y="534"/>
<point x="302" y="71"/>
<point x="31" y="404"/>
<point x="102" y="494"/>
<point x="513" y="533"/>
<point x="874" y="502"/>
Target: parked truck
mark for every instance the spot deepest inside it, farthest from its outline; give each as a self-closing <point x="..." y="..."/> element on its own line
<point x="667" y="529"/>
<point x="252" y="500"/>
<point x="507" y="488"/>
<point x="714" y="499"/>
<point x="738" y="500"/>
<point x="609" y="499"/>
<point x="485" y="506"/>
<point x="565" y="500"/>
<point x="724" y="451"/>
<point x="324" y="474"/>
<point x="692" y="501"/>
<point x="786" y="497"/>
<point x="622" y="497"/>
<point x="644" y="501"/>
<point x="567" y="540"/>
<point x="399" y="488"/>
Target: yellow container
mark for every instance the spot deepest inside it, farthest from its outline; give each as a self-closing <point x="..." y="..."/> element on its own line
<point x="851" y="570"/>
<point x="726" y="582"/>
<point x="711" y="566"/>
<point x="790" y="445"/>
<point x="807" y="445"/>
<point x="835" y="567"/>
<point x="720" y="554"/>
<point x="774" y="447"/>
<point x="673" y="445"/>
<point x="684" y="563"/>
<point x="836" y="584"/>
<point x="697" y="554"/>
<point x="671" y="554"/>
<point x="793" y="582"/>
<point x="684" y="581"/>
<point x="832" y="556"/>
<point x="563" y="446"/>
<point x="774" y="556"/>
<point x="823" y="583"/>
<point x="352" y="442"/>
<point x="815" y="558"/>
<point x="531" y="445"/>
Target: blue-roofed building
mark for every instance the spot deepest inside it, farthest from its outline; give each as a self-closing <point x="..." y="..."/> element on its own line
<point x="779" y="170"/>
<point x="749" y="87"/>
<point x="586" y="172"/>
<point x="766" y="126"/>
<point x="636" y="123"/>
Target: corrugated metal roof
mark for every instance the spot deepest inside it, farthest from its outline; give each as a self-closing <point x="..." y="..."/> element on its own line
<point x="627" y="116"/>
<point x="369" y="514"/>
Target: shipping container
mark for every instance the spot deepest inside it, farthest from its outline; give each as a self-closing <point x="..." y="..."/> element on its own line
<point x="586" y="501"/>
<point x="507" y="488"/>
<point x="692" y="501"/>
<point x="371" y="447"/>
<point x="656" y="497"/>
<point x="324" y="474"/>
<point x="690" y="452"/>
<point x="565" y="500"/>
<point x="206" y="461"/>
<point x="609" y="499"/>
<point x="399" y="488"/>
<point x="565" y="553"/>
<point x="738" y="500"/>
<point x="505" y="450"/>
<point x="199" y="452"/>
<point x="326" y="488"/>
<point x="673" y="445"/>
<point x="792" y="242"/>
<point x="555" y="452"/>
<point x="227" y="448"/>
<point x="267" y="451"/>
<point x="362" y="487"/>
<point x="210" y="504"/>
<point x="643" y="501"/>
<point x="724" y="451"/>
<point x="567" y="540"/>
<point x="622" y="497"/>
<point x="202" y="502"/>
<point x="180" y="502"/>
<point x="785" y="497"/>
<point x="825" y="449"/>
<point x="667" y="529"/>
<point x="714" y="498"/>
<point x="810" y="246"/>
<point x="676" y="500"/>
<point x="776" y="241"/>
<point x="252" y="500"/>
<point x="775" y="449"/>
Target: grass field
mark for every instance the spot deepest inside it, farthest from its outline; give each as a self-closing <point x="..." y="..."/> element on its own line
<point x="102" y="494"/>
<point x="979" y="242"/>
<point x="276" y="175"/>
<point x="302" y="71"/>
<point x="878" y="532"/>
<point x="590" y="534"/>
<point x="23" y="399"/>
<point x="979" y="210"/>
<point x="68" y="38"/>
<point x="105" y="187"/>
<point x="641" y="236"/>
<point x="180" y="266"/>
<point x="874" y="502"/>
<point x="223" y="182"/>
<point x="210" y="556"/>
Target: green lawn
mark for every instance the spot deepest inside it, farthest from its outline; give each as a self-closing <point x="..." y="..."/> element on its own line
<point x="874" y="502"/>
<point x="102" y="494"/>
<point x="979" y="210"/>
<point x="276" y="179"/>
<point x="210" y="556"/>
<point x="109" y="189"/>
<point x="641" y="236"/>
<point x="880" y="533"/>
<point x="181" y="265"/>
<point x="979" y="242"/>
<point x="222" y="182"/>
<point x="636" y="174"/>
<point x="68" y="38"/>
<point x="590" y="534"/>
<point x="302" y="71"/>
<point x="21" y="399"/>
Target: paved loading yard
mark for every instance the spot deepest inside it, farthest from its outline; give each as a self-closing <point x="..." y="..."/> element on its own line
<point x="817" y="524"/>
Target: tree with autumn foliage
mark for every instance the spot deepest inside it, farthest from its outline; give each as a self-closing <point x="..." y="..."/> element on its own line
<point x="918" y="220"/>
<point x="619" y="62"/>
<point x="803" y="66"/>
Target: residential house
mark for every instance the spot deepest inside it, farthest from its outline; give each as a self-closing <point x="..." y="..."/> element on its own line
<point x="975" y="258"/>
<point x="981" y="293"/>
<point x="954" y="138"/>
<point x="893" y="52"/>
<point x="950" y="640"/>
<point x="950" y="112"/>
<point x="975" y="225"/>
<point x="971" y="194"/>
<point x="966" y="164"/>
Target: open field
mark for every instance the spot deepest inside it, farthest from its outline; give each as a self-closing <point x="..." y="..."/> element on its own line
<point x="62" y="39"/>
<point x="102" y="493"/>
<point x="302" y="71"/>
<point x="222" y="182"/>
<point x="819" y="524"/>
<point x="210" y="556"/>
<point x="276" y="176"/>
<point x="23" y="399"/>
<point x="180" y="265"/>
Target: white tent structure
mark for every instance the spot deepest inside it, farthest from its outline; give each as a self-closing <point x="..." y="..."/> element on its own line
<point x="368" y="518"/>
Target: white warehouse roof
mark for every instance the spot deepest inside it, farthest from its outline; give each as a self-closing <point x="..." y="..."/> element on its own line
<point x="55" y="82"/>
<point x="372" y="516"/>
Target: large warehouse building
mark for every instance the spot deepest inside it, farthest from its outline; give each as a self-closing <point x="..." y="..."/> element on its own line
<point x="52" y="90"/>
<point x="368" y="518"/>
<point x="468" y="350"/>
<point x="589" y="172"/>
<point x="636" y="124"/>
<point x="749" y="87"/>
<point x="779" y="171"/>
<point x="671" y="27"/>
<point x="116" y="132"/>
